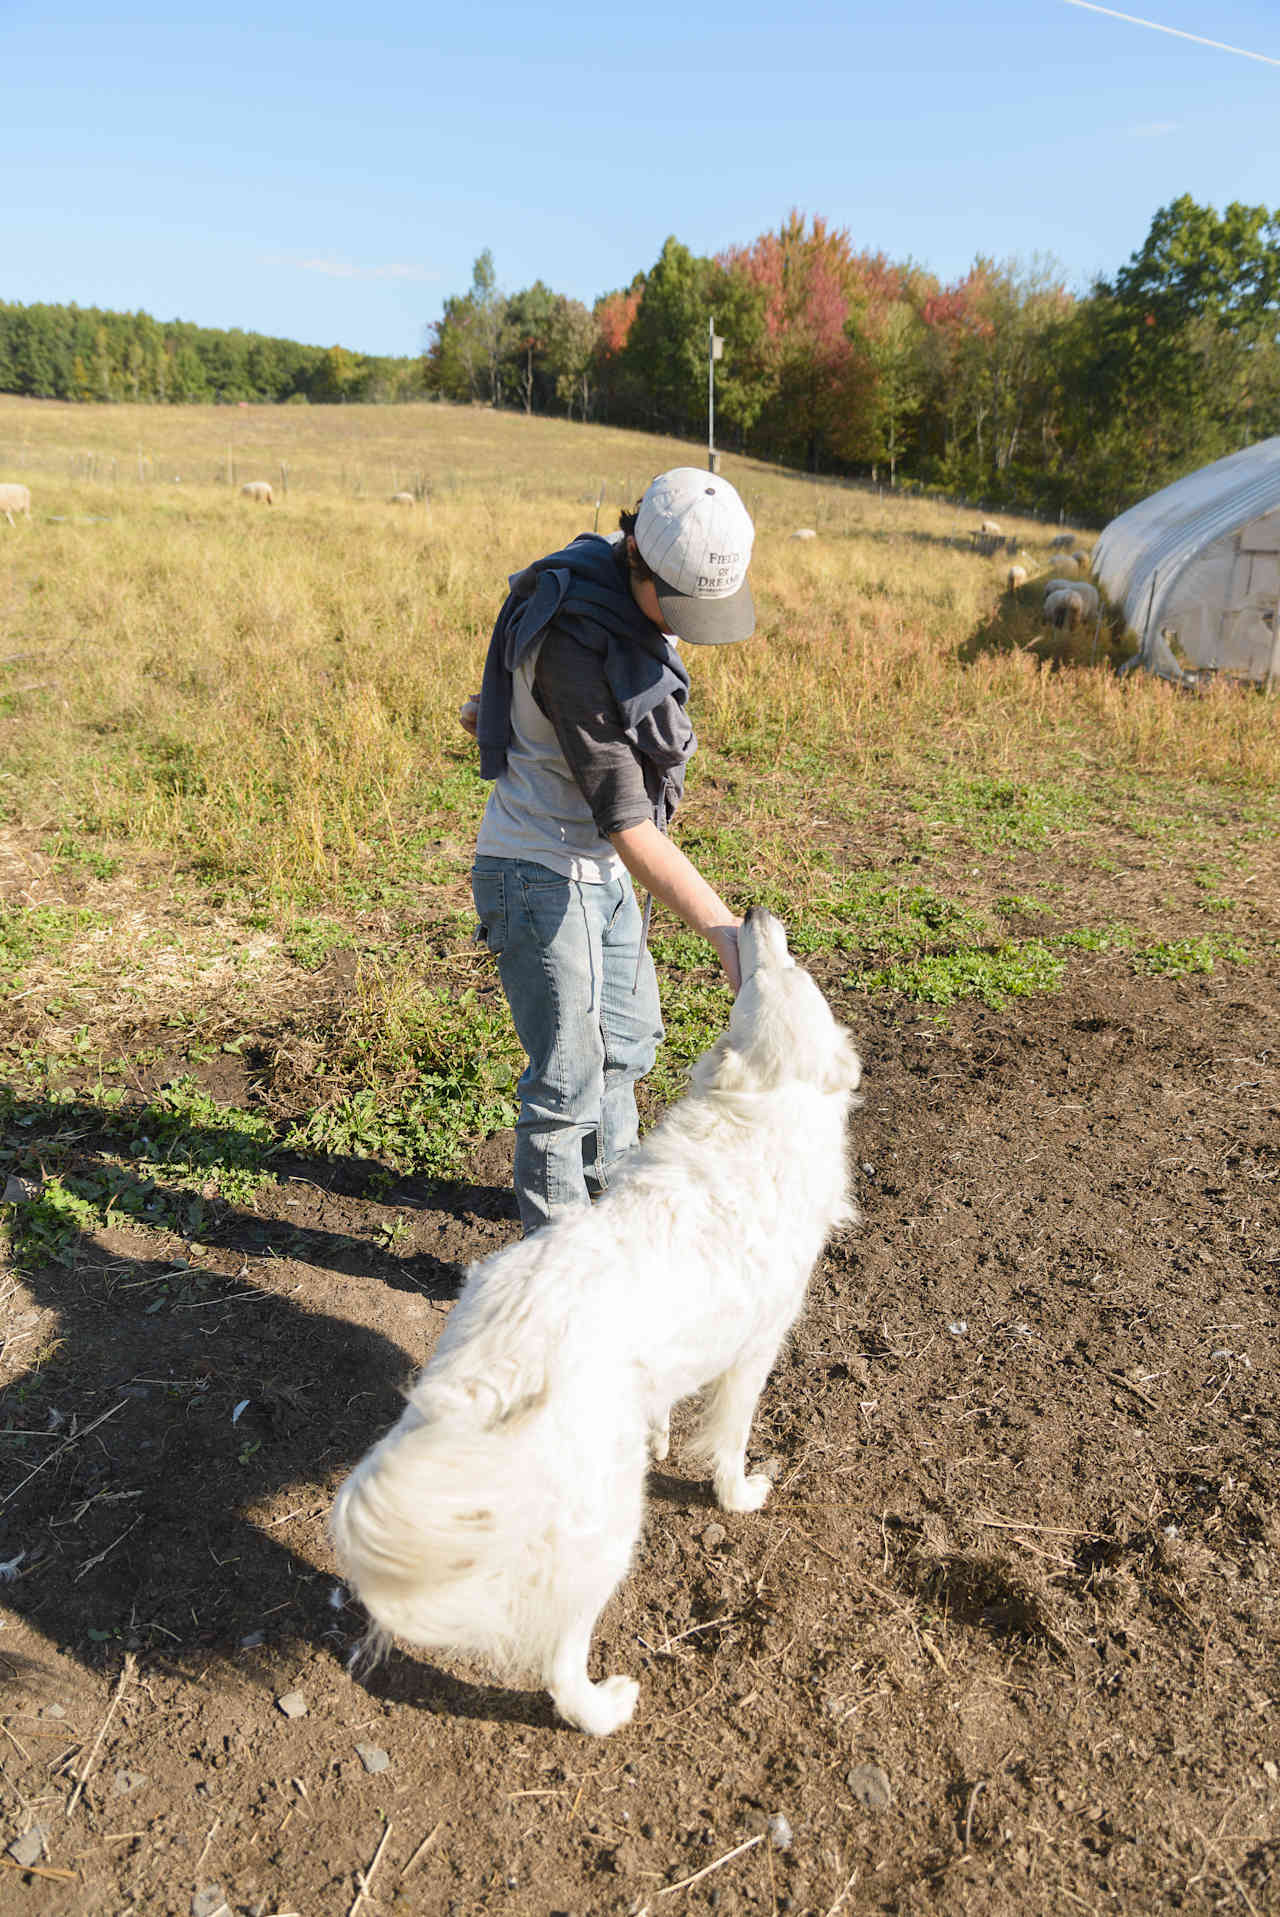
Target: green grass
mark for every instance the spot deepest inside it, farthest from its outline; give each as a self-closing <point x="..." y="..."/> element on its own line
<point x="1016" y="969"/>
<point x="994" y="977"/>
<point x="155" y="1163"/>
<point x="1180" y="958"/>
<point x="67" y="849"/>
<point x="1016" y="905"/>
<point x="439" y="1074"/>
<point x="875" y="914"/>
<point x="311" y="942"/>
<point x="31" y="931"/>
<point x="996" y="815"/>
<point x="694" y="1014"/>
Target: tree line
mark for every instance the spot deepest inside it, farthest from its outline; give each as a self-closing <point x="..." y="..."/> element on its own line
<point x="1003" y="385"/>
<point x="84" y="353"/>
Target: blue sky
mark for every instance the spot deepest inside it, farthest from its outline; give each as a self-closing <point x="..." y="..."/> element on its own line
<point x="329" y="174"/>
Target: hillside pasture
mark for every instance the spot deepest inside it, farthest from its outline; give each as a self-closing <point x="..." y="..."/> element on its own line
<point x="1005" y="1637"/>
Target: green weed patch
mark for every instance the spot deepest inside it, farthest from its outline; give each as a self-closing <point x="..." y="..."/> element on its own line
<point x="455" y="1062"/>
<point x="994" y="977"/>
<point x="311" y="942"/>
<point x="157" y="1163"/>
<point x="1180" y="958"/>
<point x="995" y="815"/>
<point x="37" y="931"/>
<point x="873" y="914"/>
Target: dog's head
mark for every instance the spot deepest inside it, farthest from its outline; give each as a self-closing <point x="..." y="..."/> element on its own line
<point x="782" y="1031"/>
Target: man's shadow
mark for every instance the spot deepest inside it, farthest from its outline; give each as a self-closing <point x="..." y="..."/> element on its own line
<point x="145" y="1447"/>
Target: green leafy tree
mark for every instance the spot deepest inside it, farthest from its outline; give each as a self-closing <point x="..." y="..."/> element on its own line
<point x="893" y="370"/>
<point x="571" y="349"/>
<point x="466" y="344"/>
<point x="337" y="377"/>
<point x="744" y="377"/>
<point x="1198" y="263"/>
<point x="528" y="323"/>
<point x="666" y="350"/>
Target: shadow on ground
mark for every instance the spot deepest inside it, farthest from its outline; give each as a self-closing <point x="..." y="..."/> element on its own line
<point x="174" y="1390"/>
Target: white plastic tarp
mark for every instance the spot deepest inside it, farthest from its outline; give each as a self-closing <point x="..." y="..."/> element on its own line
<point x="1196" y="568"/>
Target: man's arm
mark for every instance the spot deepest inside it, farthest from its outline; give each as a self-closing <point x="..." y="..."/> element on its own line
<point x="658" y="865"/>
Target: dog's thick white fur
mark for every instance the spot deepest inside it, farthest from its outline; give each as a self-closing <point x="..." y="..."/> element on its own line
<point x="499" y="1515"/>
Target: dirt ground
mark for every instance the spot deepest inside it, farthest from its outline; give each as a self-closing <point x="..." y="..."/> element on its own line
<point x="1005" y="1639"/>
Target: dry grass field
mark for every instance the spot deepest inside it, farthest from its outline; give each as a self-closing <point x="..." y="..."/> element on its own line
<point x="1005" y="1637"/>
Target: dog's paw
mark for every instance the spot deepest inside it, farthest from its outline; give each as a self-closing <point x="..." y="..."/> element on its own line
<point x="743" y="1494"/>
<point x="603" y="1707"/>
<point x="660" y="1440"/>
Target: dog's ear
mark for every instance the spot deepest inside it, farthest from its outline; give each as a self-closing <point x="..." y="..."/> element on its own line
<point x="843" y="1072"/>
<point x="722" y="1069"/>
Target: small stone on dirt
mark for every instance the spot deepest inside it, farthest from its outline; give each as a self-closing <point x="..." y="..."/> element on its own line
<point x="20" y="1191"/>
<point x="54" y="1710"/>
<point x="126" y="1782"/>
<point x="714" y="1536"/>
<point x="209" y="1901"/>
<point x="870" y="1787"/>
<point x="372" y="1757"/>
<point x="779" y="1832"/>
<point x="29" y="1848"/>
<point x="293" y="1704"/>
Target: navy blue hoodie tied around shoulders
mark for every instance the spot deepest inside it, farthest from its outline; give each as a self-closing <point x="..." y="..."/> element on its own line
<point x="584" y="592"/>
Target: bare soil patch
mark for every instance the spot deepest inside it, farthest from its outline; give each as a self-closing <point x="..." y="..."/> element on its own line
<point x="1005" y="1639"/>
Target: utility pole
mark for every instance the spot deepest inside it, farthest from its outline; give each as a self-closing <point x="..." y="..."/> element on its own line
<point x="715" y="351"/>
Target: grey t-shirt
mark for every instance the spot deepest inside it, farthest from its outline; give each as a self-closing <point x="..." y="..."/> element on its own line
<point x="572" y="776"/>
<point x="570" y="686"/>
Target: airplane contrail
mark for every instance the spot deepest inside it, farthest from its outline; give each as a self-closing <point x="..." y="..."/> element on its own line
<point x="1157" y="27"/>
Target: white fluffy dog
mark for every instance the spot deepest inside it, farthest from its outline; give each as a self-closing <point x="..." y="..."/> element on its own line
<point x="499" y="1515"/>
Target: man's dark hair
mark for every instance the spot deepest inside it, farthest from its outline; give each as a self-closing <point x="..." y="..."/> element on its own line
<point x="627" y="526"/>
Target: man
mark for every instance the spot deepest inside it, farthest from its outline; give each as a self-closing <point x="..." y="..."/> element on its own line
<point x="581" y="722"/>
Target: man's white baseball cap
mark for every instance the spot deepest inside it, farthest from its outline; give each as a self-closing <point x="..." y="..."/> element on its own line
<point x="695" y="535"/>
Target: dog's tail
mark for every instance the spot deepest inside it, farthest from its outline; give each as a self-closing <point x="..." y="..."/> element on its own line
<point x="455" y="1531"/>
<point x="418" y="1528"/>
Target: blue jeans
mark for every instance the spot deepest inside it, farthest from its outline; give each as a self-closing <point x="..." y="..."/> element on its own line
<point x="567" y="954"/>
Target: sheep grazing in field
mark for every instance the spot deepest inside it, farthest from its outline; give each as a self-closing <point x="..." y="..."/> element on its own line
<point x="992" y="526"/>
<point x="804" y="532"/>
<point x="1063" y="542"/>
<point x="259" y="489"/>
<point x="1064" y="610"/>
<point x="1081" y="558"/>
<point x="1015" y="577"/>
<point x="15" y="498"/>
<point x="402" y="499"/>
<point x="1084" y="592"/>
